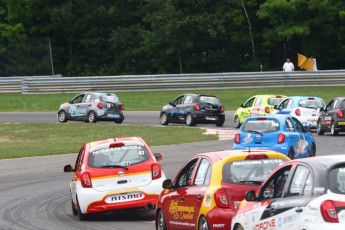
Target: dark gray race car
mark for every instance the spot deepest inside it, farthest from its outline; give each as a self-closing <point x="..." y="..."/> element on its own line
<point x="92" y="107"/>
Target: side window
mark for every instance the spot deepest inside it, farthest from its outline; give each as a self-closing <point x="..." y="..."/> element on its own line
<point x="183" y="179"/>
<point x="188" y="99"/>
<point x="283" y="104"/>
<point x="178" y="100"/>
<point x="342" y="105"/>
<point x="249" y="103"/>
<point x="301" y="182"/>
<point x="290" y="103"/>
<point x="330" y="105"/>
<point x="274" y="187"/>
<point x="335" y="104"/>
<point x="203" y="174"/>
<point x="78" y="99"/>
<point x="258" y="101"/>
<point x="289" y="125"/>
<point x="88" y="98"/>
<point x="298" y="125"/>
<point x="80" y="158"/>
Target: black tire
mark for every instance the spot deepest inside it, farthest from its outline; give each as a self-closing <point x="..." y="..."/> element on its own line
<point x="91" y="117"/>
<point x="238" y="227"/>
<point x="118" y="121"/>
<point x="82" y="216"/>
<point x="237" y="122"/>
<point x="312" y="151"/>
<point x="291" y="153"/>
<point x="190" y="121"/>
<point x="220" y="123"/>
<point x="319" y="130"/>
<point x="62" y="116"/>
<point x="203" y="224"/>
<point x="334" y="132"/>
<point x="161" y="224"/>
<point x="163" y="119"/>
<point x="74" y="210"/>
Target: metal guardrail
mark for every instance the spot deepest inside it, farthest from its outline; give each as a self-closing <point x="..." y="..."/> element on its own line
<point x="58" y="84"/>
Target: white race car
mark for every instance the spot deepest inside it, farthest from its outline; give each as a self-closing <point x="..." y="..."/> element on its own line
<point x="306" y="193"/>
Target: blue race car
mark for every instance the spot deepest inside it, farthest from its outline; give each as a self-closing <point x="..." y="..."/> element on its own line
<point x="305" y="109"/>
<point x="282" y="133"/>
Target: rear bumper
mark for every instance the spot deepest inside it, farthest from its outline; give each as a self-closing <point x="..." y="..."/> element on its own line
<point x="209" y="118"/>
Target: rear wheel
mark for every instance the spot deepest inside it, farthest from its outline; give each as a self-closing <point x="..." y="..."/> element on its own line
<point x="190" y="120"/>
<point x="118" y="121"/>
<point x="237" y="122"/>
<point x="319" y="130"/>
<point x="238" y="227"/>
<point x="203" y="224"/>
<point x="291" y="153"/>
<point x="220" y="123"/>
<point x="62" y="117"/>
<point x="312" y="150"/>
<point x="161" y="225"/>
<point x="91" y="117"/>
<point x="74" y="210"/>
<point x="82" y="216"/>
<point x="334" y="132"/>
<point x="163" y="119"/>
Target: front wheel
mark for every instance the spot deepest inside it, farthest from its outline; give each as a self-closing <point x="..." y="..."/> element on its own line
<point x="319" y="130"/>
<point x="334" y="132"/>
<point x="237" y="122"/>
<point x="161" y="225"/>
<point x="62" y="116"/>
<point x="190" y="120"/>
<point x="91" y="117"/>
<point x="203" y="224"/>
<point x="291" y="153"/>
<point x="163" y="119"/>
<point x="238" y="227"/>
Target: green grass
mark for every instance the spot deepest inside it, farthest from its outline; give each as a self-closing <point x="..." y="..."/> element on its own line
<point x="24" y="140"/>
<point x="154" y="100"/>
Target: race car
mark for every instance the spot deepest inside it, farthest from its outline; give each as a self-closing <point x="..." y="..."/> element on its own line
<point x="332" y="117"/>
<point x="115" y="174"/>
<point x="192" y="109"/>
<point x="258" y="104"/>
<point x="306" y="193"/>
<point x="305" y="109"/>
<point x="91" y="107"/>
<point x="282" y="133"/>
<point x="208" y="188"/>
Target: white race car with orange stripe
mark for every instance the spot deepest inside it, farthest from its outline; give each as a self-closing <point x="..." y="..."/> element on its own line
<point x="115" y="174"/>
<point x="306" y="193"/>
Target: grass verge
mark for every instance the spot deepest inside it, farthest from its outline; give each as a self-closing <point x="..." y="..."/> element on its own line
<point x="25" y="140"/>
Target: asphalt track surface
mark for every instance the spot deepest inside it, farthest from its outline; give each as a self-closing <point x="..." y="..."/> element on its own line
<point x="34" y="191"/>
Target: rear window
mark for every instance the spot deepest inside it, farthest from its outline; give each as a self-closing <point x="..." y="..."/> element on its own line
<point x="274" y="100"/>
<point x="311" y="103"/>
<point x="336" y="180"/>
<point x="208" y="99"/>
<point x="109" y="98"/>
<point x="105" y="157"/>
<point x="249" y="171"/>
<point x="261" y="126"/>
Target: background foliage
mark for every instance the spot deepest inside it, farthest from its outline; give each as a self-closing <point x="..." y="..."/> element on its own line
<point x="103" y="37"/>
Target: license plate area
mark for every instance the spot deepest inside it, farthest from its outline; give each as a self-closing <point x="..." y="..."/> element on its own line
<point x="120" y="198"/>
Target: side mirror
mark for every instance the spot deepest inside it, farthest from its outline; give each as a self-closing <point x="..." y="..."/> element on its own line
<point x="68" y="168"/>
<point x="275" y="107"/>
<point x="250" y="196"/>
<point x="167" y="184"/>
<point x="241" y="105"/>
<point x="158" y="156"/>
<point x="322" y="109"/>
<point x="307" y="129"/>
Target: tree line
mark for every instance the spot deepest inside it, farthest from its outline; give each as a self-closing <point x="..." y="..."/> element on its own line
<point x="122" y="37"/>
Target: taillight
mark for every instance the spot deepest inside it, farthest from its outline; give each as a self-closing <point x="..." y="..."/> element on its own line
<point x="122" y="107"/>
<point x="329" y="212"/>
<point x="340" y="114"/>
<point x="156" y="171"/>
<point x="99" y="105"/>
<point x="281" y="138"/>
<point x="267" y="109"/>
<point x="237" y="138"/>
<point x="221" y="198"/>
<point x="298" y="112"/>
<point x="86" y="180"/>
<point x="197" y="107"/>
<point x="222" y="108"/>
<point x="261" y="118"/>
<point x="256" y="156"/>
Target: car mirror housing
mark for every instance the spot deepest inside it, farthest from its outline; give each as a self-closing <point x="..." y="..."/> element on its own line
<point x="167" y="184"/>
<point x="250" y="196"/>
<point x="68" y="168"/>
<point x="307" y="129"/>
<point x="241" y="105"/>
<point x="158" y="156"/>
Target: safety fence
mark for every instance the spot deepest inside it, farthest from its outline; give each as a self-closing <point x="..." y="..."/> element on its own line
<point x="58" y="84"/>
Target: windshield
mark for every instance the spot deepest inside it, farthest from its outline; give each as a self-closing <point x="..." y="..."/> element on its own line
<point x="119" y="156"/>
<point x="249" y="171"/>
<point x="109" y="98"/>
<point x="336" y="180"/>
<point x="210" y="100"/>
<point x="260" y="126"/>
<point x="308" y="103"/>
<point x="274" y="100"/>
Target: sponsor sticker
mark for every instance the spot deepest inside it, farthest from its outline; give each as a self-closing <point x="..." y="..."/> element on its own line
<point x="341" y="123"/>
<point x="125" y="197"/>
